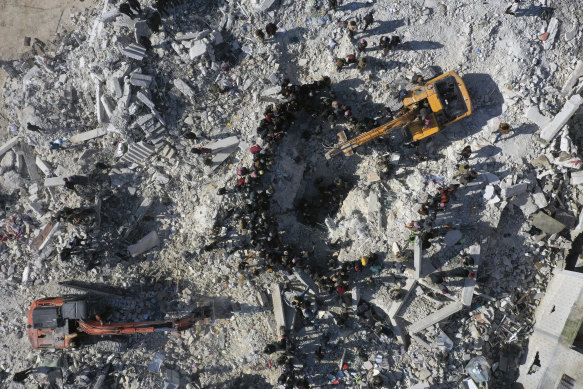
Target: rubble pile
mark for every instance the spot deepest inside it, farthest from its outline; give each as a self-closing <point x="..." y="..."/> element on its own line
<point x="168" y="154"/>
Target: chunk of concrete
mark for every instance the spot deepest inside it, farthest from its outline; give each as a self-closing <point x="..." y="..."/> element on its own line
<point x="568" y="110"/>
<point x="134" y="51"/>
<point x="87" y="135"/>
<point x="192" y="35"/>
<point x="271" y="91"/>
<point x="8" y="145"/>
<point x="144" y="99"/>
<point x="514" y="190"/>
<point x="184" y="87"/>
<point x="573" y="79"/>
<point x="54" y="181"/>
<point x="536" y="117"/>
<point x="221" y="150"/>
<point x="266" y="5"/>
<point x="452" y="237"/>
<point x="99" y="109"/>
<point x="148" y="242"/>
<point x="198" y="49"/>
<point x="489" y="192"/>
<point x="435" y="317"/>
<point x="577" y="177"/>
<point x="43" y="166"/>
<point x="141" y="29"/>
<point x="418" y="257"/>
<point x="552" y="30"/>
<point x="547" y="224"/>
<point x="141" y="80"/>
<point x="44" y="237"/>
<point x="278" y="307"/>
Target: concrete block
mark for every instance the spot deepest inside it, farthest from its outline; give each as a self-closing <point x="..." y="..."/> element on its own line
<point x="54" y="181"/>
<point x="536" y="117"/>
<point x="144" y="99"/>
<point x="192" y="35"/>
<point x="539" y="199"/>
<point x="138" y="153"/>
<point x="278" y="307"/>
<point x="29" y="160"/>
<point x="108" y="106"/>
<point x="470" y="284"/>
<point x="568" y="110"/>
<point x="418" y="257"/>
<point x="134" y="51"/>
<point x="142" y="80"/>
<point x="148" y="242"/>
<point x="573" y="79"/>
<point x="99" y="110"/>
<point x="124" y="102"/>
<point x="198" y="49"/>
<point x="8" y="145"/>
<point x="116" y="87"/>
<point x="44" y="237"/>
<point x="513" y="190"/>
<point x="141" y="29"/>
<point x="271" y="91"/>
<point x="42" y="165"/>
<point x="552" y="29"/>
<point x="221" y="150"/>
<point x="266" y="5"/>
<point x="183" y="87"/>
<point x="577" y="177"/>
<point x="547" y="224"/>
<point x="87" y="135"/>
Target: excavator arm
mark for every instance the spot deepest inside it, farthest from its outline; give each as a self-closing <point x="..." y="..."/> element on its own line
<point x="95" y="327"/>
<point x="348" y="146"/>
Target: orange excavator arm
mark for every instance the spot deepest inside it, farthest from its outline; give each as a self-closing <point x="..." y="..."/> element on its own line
<point x="95" y="327"/>
<point x="348" y="146"/>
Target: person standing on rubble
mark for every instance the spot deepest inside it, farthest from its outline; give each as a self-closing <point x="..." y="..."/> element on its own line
<point x="340" y="63"/>
<point x="368" y="20"/>
<point x="465" y="153"/>
<point x="260" y="35"/>
<point x="512" y="8"/>
<point x="503" y="129"/>
<point x="361" y="46"/>
<point x="271" y="29"/>
<point x="362" y="63"/>
<point x="385" y="44"/>
<point x="351" y="29"/>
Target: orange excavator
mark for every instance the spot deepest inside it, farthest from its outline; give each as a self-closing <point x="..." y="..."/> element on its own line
<point x="426" y="110"/>
<point x="64" y="322"/>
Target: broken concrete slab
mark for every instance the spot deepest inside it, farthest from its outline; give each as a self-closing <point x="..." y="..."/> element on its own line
<point x="577" y="177"/>
<point x="134" y="51"/>
<point x="573" y="79"/>
<point x="44" y="237"/>
<point x="552" y="29"/>
<point x="552" y="129"/>
<point x="146" y="100"/>
<point x="192" y="35"/>
<point x="8" y="145"/>
<point x="43" y="166"/>
<point x="470" y="283"/>
<point x="514" y="190"/>
<point x="141" y="80"/>
<point x="278" y="307"/>
<point x="138" y="153"/>
<point x="536" y="117"/>
<point x="418" y="257"/>
<point x="198" y="49"/>
<point x="266" y="5"/>
<point x="452" y="237"/>
<point x="87" y="135"/>
<point x="148" y="242"/>
<point x="99" y="109"/>
<point x="547" y="224"/>
<point x="435" y="317"/>
<point x="184" y="87"/>
<point x="271" y="91"/>
<point x="221" y="150"/>
<point x="141" y="29"/>
<point x="54" y="181"/>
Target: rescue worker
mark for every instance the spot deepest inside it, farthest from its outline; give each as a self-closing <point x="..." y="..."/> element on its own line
<point x="503" y="129"/>
<point x="351" y="29"/>
<point x="260" y="35"/>
<point x="385" y="44"/>
<point x="361" y="46"/>
<point x="340" y="63"/>
<point x="362" y="63"/>
<point x="271" y="28"/>
<point x="368" y="20"/>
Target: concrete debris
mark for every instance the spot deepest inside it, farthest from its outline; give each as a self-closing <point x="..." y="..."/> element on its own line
<point x="147" y="243"/>
<point x="568" y="110"/>
<point x="134" y="51"/>
<point x="177" y="151"/>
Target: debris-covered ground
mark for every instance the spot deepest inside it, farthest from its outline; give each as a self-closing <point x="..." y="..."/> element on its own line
<point x="172" y="158"/>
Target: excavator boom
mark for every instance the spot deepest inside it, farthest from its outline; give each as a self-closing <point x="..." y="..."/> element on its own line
<point x="348" y="146"/>
<point x="94" y="327"/>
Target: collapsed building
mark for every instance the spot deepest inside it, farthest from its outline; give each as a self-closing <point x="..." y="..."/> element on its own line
<point x="164" y="134"/>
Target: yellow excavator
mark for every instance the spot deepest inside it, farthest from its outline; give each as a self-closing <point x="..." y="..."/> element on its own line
<point x="426" y="110"/>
